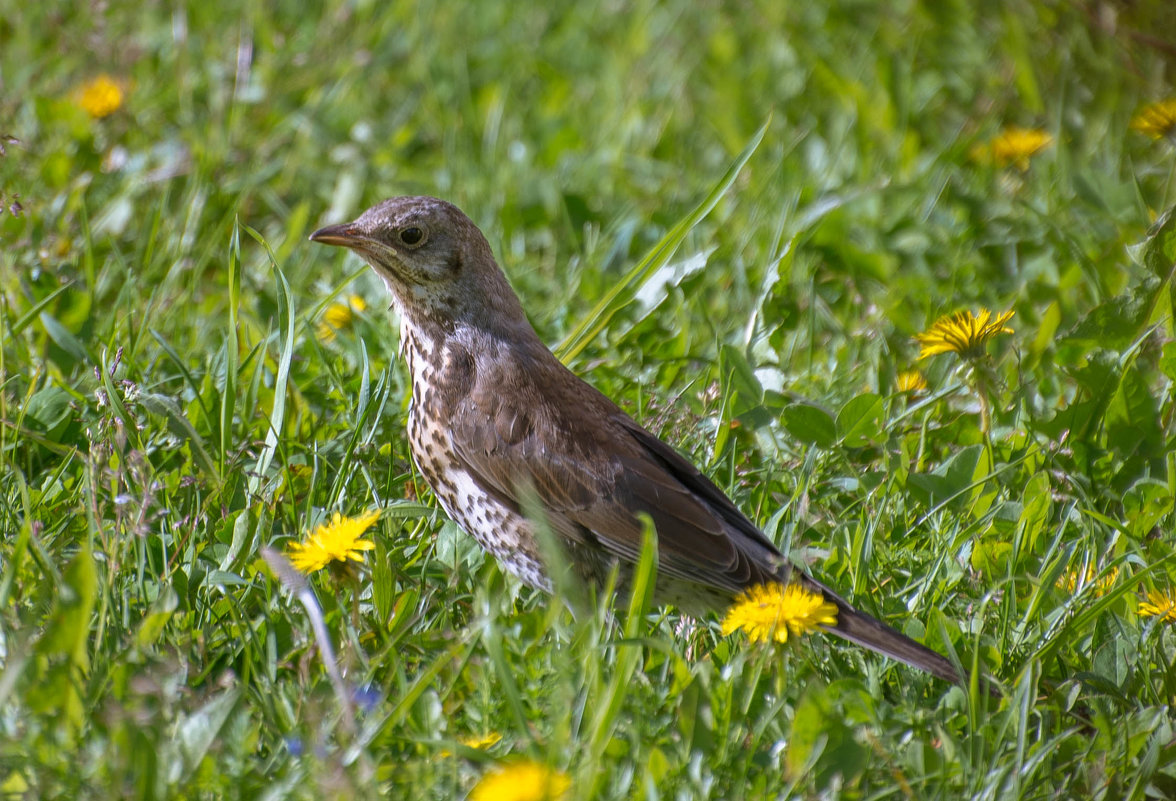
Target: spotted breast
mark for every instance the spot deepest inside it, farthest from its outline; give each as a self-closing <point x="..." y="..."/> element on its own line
<point x="444" y="372"/>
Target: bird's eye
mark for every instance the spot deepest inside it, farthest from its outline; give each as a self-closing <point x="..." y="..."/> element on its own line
<point x="412" y="235"/>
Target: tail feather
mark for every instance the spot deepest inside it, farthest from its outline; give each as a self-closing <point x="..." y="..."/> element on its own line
<point x="862" y="629"/>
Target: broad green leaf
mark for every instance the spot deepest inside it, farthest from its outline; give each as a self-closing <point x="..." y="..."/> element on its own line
<point x="739" y="376"/>
<point x="1145" y="505"/>
<point x="1168" y="360"/>
<point x="1036" y="509"/>
<point x="984" y="490"/>
<point x="991" y="558"/>
<point x="1116" y="323"/>
<point x="1159" y="249"/>
<point x="810" y="424"/>
<point x="1132" y="417"/>
<point x="860" y="421"/>
<point x="820" y="742"/>
<point x="48" y="411"/>
<point x="198" y="731"/>
<point x="64" y="339"/>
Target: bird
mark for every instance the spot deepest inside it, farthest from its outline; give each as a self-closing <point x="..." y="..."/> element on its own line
<point x="496" y="422"/>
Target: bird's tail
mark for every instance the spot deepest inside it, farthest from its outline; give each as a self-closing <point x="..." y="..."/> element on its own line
<point x="860" y="628"/>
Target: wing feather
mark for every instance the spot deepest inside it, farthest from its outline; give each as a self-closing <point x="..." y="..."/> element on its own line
<point x="593" y="483"/>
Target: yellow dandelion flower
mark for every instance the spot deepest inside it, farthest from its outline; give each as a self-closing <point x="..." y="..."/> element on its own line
<point x="521" y="781"/>
<point x="911" y="381"/>
<point x="770" y="611"/>
<point x="1157" y="120"/>
<point x="1159" y="604"/>
<point x="963" y="332"/>
<point x="337" y="541"/>
<point x="1012" y="146"/>
<point x="338" y="316"/>
<point x="1073" y="580"/>
<point x="100" y="97"/>
<point x="483" y="741"/>
<point x="478" y="742"/>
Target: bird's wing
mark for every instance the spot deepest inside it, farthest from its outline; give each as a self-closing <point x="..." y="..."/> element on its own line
<point x="594" y="473"/>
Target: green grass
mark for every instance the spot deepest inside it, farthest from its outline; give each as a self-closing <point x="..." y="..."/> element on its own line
<point x="166" y="408"/>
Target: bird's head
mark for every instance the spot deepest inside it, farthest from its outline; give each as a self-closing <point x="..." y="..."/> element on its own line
<point x="434" y="260"/>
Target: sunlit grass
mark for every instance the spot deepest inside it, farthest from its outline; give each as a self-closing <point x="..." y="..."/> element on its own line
<point x="184" y="379"/>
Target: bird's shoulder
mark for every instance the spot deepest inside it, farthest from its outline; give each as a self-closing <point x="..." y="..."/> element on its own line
<point x="515" y="392"/>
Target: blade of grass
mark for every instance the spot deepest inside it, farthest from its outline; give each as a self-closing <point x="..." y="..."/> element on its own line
<point x="629" y="652"/>
<point x="623" y="292"/>
<point x="229" y="395"/>
<point x="286" y="317"/>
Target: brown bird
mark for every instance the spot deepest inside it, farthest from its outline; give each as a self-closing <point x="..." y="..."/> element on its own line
<point x="496" y="418"/>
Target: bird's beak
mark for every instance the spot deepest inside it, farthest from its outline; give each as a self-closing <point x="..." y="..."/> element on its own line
<point x="345" y="235"/>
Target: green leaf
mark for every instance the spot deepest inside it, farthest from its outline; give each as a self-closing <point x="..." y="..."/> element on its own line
<point x="64" y="339"/>
<point x="1168" y="360"/>
<point x="820" y="744"/>
<point x="286" y="324"/>
<point x="860" y="421"/>
<point x="740" y="380"/>
<point x="1145" y="505"/>
<point x="49" y="411"/>
<point x="114" y="398"/>
<point x="22" y="322"/>
<point x="930" y="489"/>
<point x="642" y="580"/>
<point x="179" y="425"/>
<point x="984" y="491"/>
<point x="951" y="480"/>
<point x="1116" y="323"/>
<point x="225" y="578"/>
<point x="604" y="721"/>
<point x="1036" y="509"/>
<point x="1100" y="370"/>
<point x="961" y="469"/>
<point x="810" y="424"/>
<point x="1132" y="418"/>
<point x="991" y="559"/>
<point x="198" y="731"/>
<point x="58" y="689"/>
<point x="69" y="627"/>
<point x="231" y="371"/>
<point x="1159" y="249"/>
<point x="407" y="510"/>
<point x="157" y="617"/>
<point x="241" y="541"/>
